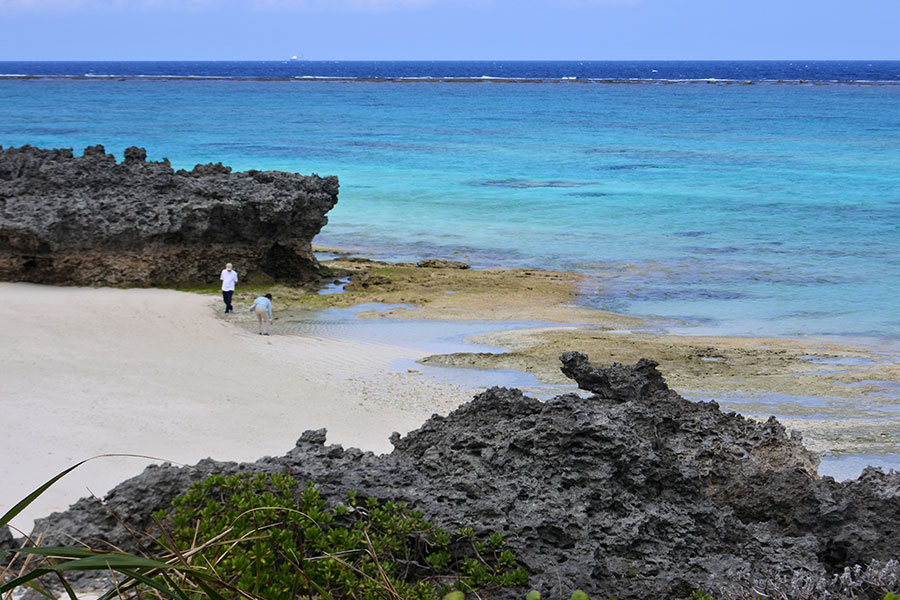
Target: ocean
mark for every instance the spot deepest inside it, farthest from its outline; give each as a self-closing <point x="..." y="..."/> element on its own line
<point x="723" y="198"/>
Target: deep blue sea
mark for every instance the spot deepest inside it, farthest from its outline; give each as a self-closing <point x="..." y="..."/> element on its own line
<point x="740" y="197"/>
<point x="597" y="71"/>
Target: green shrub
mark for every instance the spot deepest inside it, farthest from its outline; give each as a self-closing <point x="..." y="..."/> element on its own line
<point x="256" y="538"/>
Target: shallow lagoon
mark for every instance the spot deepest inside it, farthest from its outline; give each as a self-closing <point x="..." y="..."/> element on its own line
<point x="749" y="210"/>
<point x="442" y="337"/>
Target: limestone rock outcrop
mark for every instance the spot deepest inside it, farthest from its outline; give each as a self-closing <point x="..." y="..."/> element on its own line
<point x="632" y="492"/>
<point x="89" y="220"/>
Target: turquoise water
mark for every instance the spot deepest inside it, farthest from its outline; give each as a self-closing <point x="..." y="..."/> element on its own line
<point x="749" y="209"/>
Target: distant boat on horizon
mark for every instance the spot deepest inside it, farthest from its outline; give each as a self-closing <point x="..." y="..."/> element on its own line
<point x="295" y="57"/>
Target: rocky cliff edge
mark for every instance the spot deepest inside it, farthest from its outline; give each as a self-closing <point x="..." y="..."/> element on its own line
<point x="89" y="220"/>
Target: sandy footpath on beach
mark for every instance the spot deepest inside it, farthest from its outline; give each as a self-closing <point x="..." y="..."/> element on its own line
<point x="157" y="372"/>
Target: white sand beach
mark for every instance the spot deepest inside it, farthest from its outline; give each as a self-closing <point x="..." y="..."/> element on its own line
<point x="88" y="371"/>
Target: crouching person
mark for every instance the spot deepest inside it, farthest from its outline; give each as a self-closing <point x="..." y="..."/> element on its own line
<point x="262" y="306"/>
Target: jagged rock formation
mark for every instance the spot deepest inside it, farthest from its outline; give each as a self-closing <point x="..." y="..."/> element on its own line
<point x="90" y="221"/>
<point x="633" y="492"/>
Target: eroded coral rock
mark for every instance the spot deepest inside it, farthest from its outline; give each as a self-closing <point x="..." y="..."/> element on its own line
<point x="633" y="492"/>
<point x="91" y="221"/>
<point x="615" y="382"/>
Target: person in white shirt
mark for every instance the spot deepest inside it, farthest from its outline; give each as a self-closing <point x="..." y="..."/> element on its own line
<point x="262" y="306"/>
<point x="229" y="278"/>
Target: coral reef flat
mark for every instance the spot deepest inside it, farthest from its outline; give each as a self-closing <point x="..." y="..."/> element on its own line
<point x="842" y="394"/>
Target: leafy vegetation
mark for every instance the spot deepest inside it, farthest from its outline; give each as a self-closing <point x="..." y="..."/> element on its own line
<point x="257" y="538"/>
<point x="260" y="537"/>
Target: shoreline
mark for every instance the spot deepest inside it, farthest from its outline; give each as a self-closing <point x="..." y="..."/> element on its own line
<point x="844" y="394"/>
<point x="108" y="369"/>
<point x="159" y="373"/>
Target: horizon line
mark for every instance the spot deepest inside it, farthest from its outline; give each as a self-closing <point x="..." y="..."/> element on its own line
<point x="308" y="60"/>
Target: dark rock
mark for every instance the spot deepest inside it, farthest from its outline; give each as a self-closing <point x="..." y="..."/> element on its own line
<point x="135" y="499"/>
<point x="90" y="151"/>
<point x="615" y="382"/>
<point x="6" y="540"/>
<point x="366" y="280"/>
<point x="135" y="154"/>
<point x="91" y="221"/>
<point x="631" y="493"/>
<point x="439" y="263"/>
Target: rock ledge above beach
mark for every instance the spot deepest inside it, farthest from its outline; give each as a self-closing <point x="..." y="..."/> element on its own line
<point x="91" y="221"/>
<point x="632" y="492"/>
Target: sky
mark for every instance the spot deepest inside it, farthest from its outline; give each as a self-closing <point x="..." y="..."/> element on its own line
<point x="449" y="29"/>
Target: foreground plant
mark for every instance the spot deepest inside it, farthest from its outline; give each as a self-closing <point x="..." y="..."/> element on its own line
<point x="23" y="573"/>
<point x="258" y="538"/>
<point x="253" y="537"/>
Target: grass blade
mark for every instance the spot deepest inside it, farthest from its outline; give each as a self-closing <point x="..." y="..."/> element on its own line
<point x="172" y="586"/>
<point x="169" y="590"/>
<point x="15" y="510"/>
<point x="60" y="551"/>
<point x="69" y="591"/>
<point x="84" y="559"/>
<point x="37" y="589"/>
<point x="209" y="591"/>
<point x="22" y="580"/>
